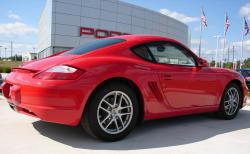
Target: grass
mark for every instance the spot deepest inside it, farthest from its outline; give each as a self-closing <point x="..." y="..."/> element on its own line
<point x="9" y="63"/>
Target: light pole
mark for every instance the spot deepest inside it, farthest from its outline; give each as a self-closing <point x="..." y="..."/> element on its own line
<point x="0" y="51"/>
<point x="217" y="48"/>
<point x="34" y="49"/>
<point x="5" y="49"/>
<point x="233" y="54"/>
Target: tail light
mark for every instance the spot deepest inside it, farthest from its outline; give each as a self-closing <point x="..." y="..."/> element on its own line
<point x="61" y="72"/>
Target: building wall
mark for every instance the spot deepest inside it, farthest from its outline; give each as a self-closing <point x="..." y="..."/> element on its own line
<point x="44" y="33"/>
<point x="28" y="56"/>
<point x="113" y="15"/>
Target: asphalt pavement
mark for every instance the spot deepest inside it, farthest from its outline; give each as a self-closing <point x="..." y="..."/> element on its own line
<point x="195" y="134"/>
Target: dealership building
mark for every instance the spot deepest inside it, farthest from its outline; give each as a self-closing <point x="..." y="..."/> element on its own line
<point x="69" y="23"/>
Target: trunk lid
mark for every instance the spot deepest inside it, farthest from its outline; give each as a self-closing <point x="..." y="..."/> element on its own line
<point x="46" y="63"/>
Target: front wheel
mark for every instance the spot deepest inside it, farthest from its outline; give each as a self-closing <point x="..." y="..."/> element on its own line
<point x="230" y="102"/>
<point x="111" y="113"/>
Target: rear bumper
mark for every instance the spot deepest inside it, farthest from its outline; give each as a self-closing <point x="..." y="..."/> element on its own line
<point x="49" y="114"/>
<point x="52" y="101"/>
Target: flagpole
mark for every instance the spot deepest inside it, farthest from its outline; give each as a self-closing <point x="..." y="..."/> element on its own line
<point x="200" y="36"/>
<point x="242" y="44"/>
<point x="224" y="44"/>
<point x="217" y="50"/>
<point x="223" y="52"/>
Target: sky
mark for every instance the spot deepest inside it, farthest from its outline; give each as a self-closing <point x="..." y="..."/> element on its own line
<point x="19" y="22"/>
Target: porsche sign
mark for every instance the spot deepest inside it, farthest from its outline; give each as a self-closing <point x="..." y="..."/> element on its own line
<point x="99" y="33"/>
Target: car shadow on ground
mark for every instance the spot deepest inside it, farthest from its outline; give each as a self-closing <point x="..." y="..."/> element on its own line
<point x="151" y="134"/>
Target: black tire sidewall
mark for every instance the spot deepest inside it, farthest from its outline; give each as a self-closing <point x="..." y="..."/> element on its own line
<point x="93" y="106"/>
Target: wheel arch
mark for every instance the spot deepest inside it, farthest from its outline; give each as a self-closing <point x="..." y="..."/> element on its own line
<point x="126" y="81"/>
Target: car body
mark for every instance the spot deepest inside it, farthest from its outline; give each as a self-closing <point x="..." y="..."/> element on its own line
<point x="246" y="74"/>
<point x="165" y="87"/>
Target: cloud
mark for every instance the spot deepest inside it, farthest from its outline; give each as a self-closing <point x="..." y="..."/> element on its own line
<point x="14" y="16"/>
<point x="208" y="53"/>
<point x="221" y="41"/>
<point x="204" y="51"/>
<point x="246" y="49"/>
<point x="16" y="29"/>
<point x="18" y="48"/>
<point x="197" y="41"/>
<point x="195" y="50"/>
<point x="245" y="11"/>
<point x="179" y="16"/>
<point x="239" y="44"/>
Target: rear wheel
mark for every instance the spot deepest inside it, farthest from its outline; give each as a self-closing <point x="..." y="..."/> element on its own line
<point x="230" y="102"/>
<point x="112" y="112"/>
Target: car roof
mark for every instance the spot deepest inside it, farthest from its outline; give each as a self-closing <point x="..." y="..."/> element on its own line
<point x="143" y="36"/>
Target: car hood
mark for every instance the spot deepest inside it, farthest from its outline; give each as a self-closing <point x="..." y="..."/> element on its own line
<point x="49" y="62"/>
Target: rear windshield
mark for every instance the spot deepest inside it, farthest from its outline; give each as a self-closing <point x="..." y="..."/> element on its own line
<point x="94" y="45"/>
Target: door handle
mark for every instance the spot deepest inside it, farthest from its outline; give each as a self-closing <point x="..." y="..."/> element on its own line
<point x="167" y="77"/>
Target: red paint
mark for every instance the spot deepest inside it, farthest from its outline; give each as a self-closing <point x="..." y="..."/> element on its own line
<point x="99" y="33"/>
<point x="167" y="90"/>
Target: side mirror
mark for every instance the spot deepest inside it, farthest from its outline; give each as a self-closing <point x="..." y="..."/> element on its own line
<point x="202" y="62"/>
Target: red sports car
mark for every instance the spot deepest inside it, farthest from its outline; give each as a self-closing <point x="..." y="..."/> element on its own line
<point x="110" y="85"/>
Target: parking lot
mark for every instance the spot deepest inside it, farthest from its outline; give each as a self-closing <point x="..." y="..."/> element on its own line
<point x="189" y="134"/>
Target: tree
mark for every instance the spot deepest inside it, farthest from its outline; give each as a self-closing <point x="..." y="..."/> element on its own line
<point x="246" y="63"/>
<point x="229" y="65"/>
<point x="212" y="63"/>
<point x="15" y="58"/>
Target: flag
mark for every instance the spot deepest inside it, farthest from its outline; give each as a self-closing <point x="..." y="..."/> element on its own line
<point x="203" y="19"/>
<point x="246" y="27"/>
<point x="227" y="24"/>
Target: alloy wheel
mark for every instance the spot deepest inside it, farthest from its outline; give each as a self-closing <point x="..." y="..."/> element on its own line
<point x="231" y="102"/>
<point x="115" y="112"/>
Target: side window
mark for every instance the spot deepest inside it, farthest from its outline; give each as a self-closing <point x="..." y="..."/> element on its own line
<point x="167" y="53"/>
<point x="142" y="52"/>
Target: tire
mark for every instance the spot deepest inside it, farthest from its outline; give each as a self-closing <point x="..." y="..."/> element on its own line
<point x="229" y="109"/>
<point x="106" y="121"/>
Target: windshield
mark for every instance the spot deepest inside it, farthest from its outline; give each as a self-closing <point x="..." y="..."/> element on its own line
<point x="94" y="45"/>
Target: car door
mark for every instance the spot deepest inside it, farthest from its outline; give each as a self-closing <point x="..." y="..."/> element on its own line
<point x="183" y="83"/>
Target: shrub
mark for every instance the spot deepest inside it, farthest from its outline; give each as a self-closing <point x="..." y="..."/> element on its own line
<point x="5" y="69"/>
